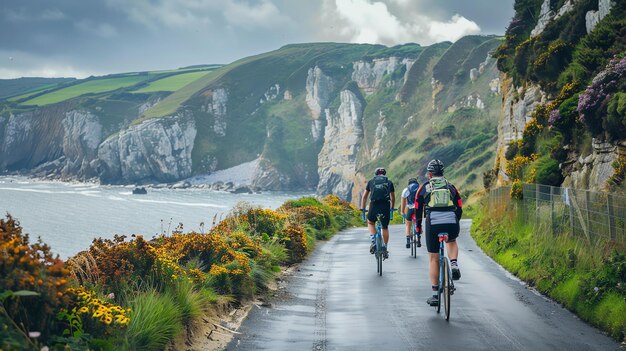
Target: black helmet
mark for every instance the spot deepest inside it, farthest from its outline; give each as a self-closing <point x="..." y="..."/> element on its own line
<point x="380" y="171"/>
<point x="435" y="167"/>
<point x="413" y="180"/>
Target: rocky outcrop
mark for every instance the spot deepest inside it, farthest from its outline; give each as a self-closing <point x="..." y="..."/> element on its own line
<point x="81" y="137"/>
<point x="592" y="18"/>
<point x="379" y="136"/>
<point x="319" y="88"/>
<point x="546" y="15"/>
<point x="268" y="177"/>
<point x="591" y="171"/>
<point x="337" y="161"/>
<point x="517" y="106"/>
<point x="271" y="94"/>
<point x="155" y="150"/>
<point x="51" y="142"/>
<point x="368" y="75"/>
<point x="216" y="106"/>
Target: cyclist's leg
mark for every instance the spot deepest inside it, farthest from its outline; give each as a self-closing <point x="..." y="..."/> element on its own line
<point x="384" y="221"/>
<point x="371" y="219"/>
<point x="452" y="247"/>
<point x="432" y="245"/>
<point x="453" y="250"/>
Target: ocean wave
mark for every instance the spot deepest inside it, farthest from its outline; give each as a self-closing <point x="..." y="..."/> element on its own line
<point x="188" y="204"/>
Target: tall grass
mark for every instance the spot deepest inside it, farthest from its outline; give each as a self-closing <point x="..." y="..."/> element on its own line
<point x="155" y="321"/>
<point x="586" y="276"/>
<point x="191" y="301"/>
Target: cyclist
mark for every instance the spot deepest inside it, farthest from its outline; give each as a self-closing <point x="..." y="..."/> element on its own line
<point x="382" y="200"/>
<point x="440" y="203"/>
<point x="407" y="209"/>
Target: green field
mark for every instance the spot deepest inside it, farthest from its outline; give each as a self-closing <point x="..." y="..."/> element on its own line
<point x="32" y="92"/>
<point x="172" y="83"/>
<point x="89" y="87"/>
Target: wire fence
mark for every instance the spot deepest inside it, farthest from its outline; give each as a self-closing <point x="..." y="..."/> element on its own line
<point x="580" y="213"/>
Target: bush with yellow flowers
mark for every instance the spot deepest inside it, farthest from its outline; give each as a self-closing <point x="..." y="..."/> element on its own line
<point x="31" y="267"/>
<point x="96" y="312"/>
<point x="296" y="242"/>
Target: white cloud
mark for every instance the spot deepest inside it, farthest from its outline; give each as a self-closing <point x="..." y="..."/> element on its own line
<point x="457" y="27"/>
<point x="366" y="21"/>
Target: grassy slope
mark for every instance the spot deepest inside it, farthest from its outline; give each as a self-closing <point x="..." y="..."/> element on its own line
<point x="248" y="79"/>
<point x="94" y="86"/>
<point x="171" y="83"/>
<point x="468" y="150"/>
<point x="20" y="86"/>
<point x="587" y="278"/>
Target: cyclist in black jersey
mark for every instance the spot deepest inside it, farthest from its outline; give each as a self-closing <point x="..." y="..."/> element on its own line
<point x="382" y="201"/>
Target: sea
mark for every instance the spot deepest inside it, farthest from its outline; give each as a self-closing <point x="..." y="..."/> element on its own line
<point x="68" y="216"/>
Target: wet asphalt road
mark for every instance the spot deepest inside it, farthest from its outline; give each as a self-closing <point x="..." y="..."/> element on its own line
<point x="336" y="301"/>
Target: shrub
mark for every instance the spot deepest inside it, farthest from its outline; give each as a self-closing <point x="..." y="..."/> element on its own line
<point x="616" y="116"/>
<point x="511" y="150"/>
<point x="296" y="243"/>
<point x="593" y="101"/>
<point x="548" y="172"/>
<point x="25" y="266"/>
<point x="517" y="190"/>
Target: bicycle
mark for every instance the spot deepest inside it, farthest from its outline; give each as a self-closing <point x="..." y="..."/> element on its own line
<point x="446" y="285"/>
<point x="379" y="252"/>
<point x="414" y="240"/>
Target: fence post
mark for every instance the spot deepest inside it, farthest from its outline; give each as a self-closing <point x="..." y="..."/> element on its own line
<point x="552" y="225"/>
<point x="536" y="206"/>
<point x="609" y="211"/>
<point x="587" y="202"/>
<point x="570" y="207"/>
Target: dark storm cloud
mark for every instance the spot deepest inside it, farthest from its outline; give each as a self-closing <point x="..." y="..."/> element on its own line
<point x="79" y="38"/>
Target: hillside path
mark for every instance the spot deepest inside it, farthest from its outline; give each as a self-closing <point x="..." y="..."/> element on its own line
<point x="336" y="301"/>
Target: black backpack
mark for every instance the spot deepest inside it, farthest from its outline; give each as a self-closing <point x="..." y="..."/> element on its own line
<point x="413" y="188"/>
<point x="380" y="189"/>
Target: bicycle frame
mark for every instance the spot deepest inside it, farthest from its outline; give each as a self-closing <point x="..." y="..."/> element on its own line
<point x="378" y="240"/>
<point x="446" y="285"/>
<point x="414" y="237"/>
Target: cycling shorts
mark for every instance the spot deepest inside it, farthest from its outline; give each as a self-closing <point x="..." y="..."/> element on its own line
<point x="382" y="208"/>
<point x="432" y="234"/>
<point x="409" y="214"/>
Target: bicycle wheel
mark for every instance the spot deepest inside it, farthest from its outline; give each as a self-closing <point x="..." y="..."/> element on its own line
<point x="440" y="289"/>
<point x="446" y="288"/>
<point x="379" y="248"/>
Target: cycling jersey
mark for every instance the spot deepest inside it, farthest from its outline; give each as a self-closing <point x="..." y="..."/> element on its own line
<point x="438" y="220"/>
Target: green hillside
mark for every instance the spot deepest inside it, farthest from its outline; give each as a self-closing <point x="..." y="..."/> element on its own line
<point x="171" y="83"/>
<point x="92" y="86"/>
<point x="264" y="112"/>
<point x="21" y="87"/>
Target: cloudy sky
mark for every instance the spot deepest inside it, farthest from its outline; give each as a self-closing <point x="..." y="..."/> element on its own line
<point x="78" y="38"/>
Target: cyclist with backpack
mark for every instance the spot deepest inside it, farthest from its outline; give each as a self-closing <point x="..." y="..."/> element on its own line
<point x="440" y="203"/>
<point x="407" y="209"/>
<point x="382" y="201"/>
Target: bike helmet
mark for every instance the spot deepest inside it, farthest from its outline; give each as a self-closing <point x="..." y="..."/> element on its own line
<point x="380" y="171"/>
<point x="413" y="180"/>
<point x="435" y="167"/>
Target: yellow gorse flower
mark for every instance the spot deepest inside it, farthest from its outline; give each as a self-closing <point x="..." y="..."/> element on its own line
<point x="98" y="309"/>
